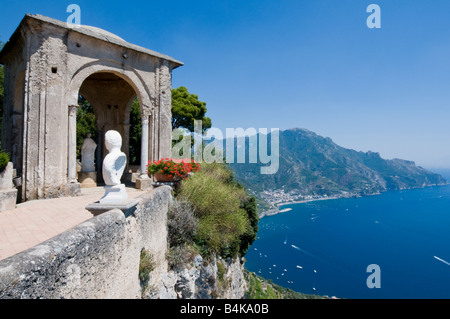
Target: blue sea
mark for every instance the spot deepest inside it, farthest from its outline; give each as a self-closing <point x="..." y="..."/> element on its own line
<point x="325" y="247"/>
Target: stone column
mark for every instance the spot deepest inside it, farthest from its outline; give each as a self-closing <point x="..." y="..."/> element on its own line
<point x="72" y="151"/>
<point x="73" y="188"/>
<point x="98" y="151"/>
<point x="144" y="146"/>
<point x="151" y="137"/>
<point x="164" y="127"/>
<point x="143" y="181"/>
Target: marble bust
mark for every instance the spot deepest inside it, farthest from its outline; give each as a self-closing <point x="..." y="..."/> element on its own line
<point x="112" y="170"/>
<point x="115" y="162"/>
<point x="88" y="154"/>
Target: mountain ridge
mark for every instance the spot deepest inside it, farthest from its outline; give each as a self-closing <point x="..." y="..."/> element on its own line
<point x="313" y="166"/>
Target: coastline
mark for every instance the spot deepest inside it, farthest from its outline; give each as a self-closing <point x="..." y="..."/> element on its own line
<point x="384" y="215"/>
<point x="311" y="200"/>
<point x="276" y="210"/>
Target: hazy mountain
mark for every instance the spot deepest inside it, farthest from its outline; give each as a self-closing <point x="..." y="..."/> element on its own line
<point x="310" y="164"/>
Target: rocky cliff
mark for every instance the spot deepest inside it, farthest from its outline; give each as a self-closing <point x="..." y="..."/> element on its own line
<point x="203" y="279"/>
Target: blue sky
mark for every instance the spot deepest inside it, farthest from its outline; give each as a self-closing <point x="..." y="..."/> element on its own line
<point x="306" y="63"/>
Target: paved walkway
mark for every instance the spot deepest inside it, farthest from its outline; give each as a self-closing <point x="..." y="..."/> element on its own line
<point x="33" y="222"/>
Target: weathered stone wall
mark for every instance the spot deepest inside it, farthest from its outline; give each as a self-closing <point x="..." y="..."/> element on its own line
<point x="100" y="259"/>
<point x="96" y="259"/>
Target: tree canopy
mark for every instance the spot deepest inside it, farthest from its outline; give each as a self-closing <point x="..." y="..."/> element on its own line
<point x="186" y="108"/>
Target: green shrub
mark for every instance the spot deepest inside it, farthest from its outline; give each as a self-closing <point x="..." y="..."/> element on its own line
<point x="221" y="233"/>
<point x="181" y="255"/>
<point x="221" y="270"/>
<point x="227" y="219"/>
<point x="249" y="205"/>
<point x="146" y="266"/>
<point x="4" y="159"/>
<point x="260" y="288"/>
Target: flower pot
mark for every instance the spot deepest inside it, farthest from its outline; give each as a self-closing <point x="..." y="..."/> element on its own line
<point x="165" y="178"/>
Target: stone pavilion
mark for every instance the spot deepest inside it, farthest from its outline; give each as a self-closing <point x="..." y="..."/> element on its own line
<point x="48" y="64"/>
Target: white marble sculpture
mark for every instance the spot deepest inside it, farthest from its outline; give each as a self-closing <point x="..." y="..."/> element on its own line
<point x="88" y="154"/>
<point x="113" y="167"/>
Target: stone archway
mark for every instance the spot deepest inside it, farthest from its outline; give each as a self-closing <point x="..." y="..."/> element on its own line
<point x="110" y="97"/>
<point x="52" y="61"/>
<point x="111" y="90"/>
<point x="130" y="75"/>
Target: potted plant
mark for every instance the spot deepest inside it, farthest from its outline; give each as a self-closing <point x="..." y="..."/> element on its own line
<point x="170" y="170"/>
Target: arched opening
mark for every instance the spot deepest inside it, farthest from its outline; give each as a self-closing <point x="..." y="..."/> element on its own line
<point x="105" y="101"/>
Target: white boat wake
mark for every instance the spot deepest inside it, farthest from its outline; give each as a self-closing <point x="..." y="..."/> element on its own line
<point x="304" y="251"/>
<point x="442" y="260"/>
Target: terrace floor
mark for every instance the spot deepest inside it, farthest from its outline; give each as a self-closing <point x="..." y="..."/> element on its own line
<point x="34" y="222"/>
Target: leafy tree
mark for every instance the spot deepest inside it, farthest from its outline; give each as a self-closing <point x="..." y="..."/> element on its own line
<point x="186" y="108"/>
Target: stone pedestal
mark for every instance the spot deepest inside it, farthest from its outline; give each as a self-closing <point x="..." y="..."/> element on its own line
<point x="8" y="198"/>
<point x="144" y="183"/>
<point x="87" y="179"/>
<point x="73" y="189"/>
<point x="127" y="207"/>
<point x="116" y="194"/>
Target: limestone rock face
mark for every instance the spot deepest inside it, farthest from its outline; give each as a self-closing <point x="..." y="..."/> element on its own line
<point x="202" y="279"/>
